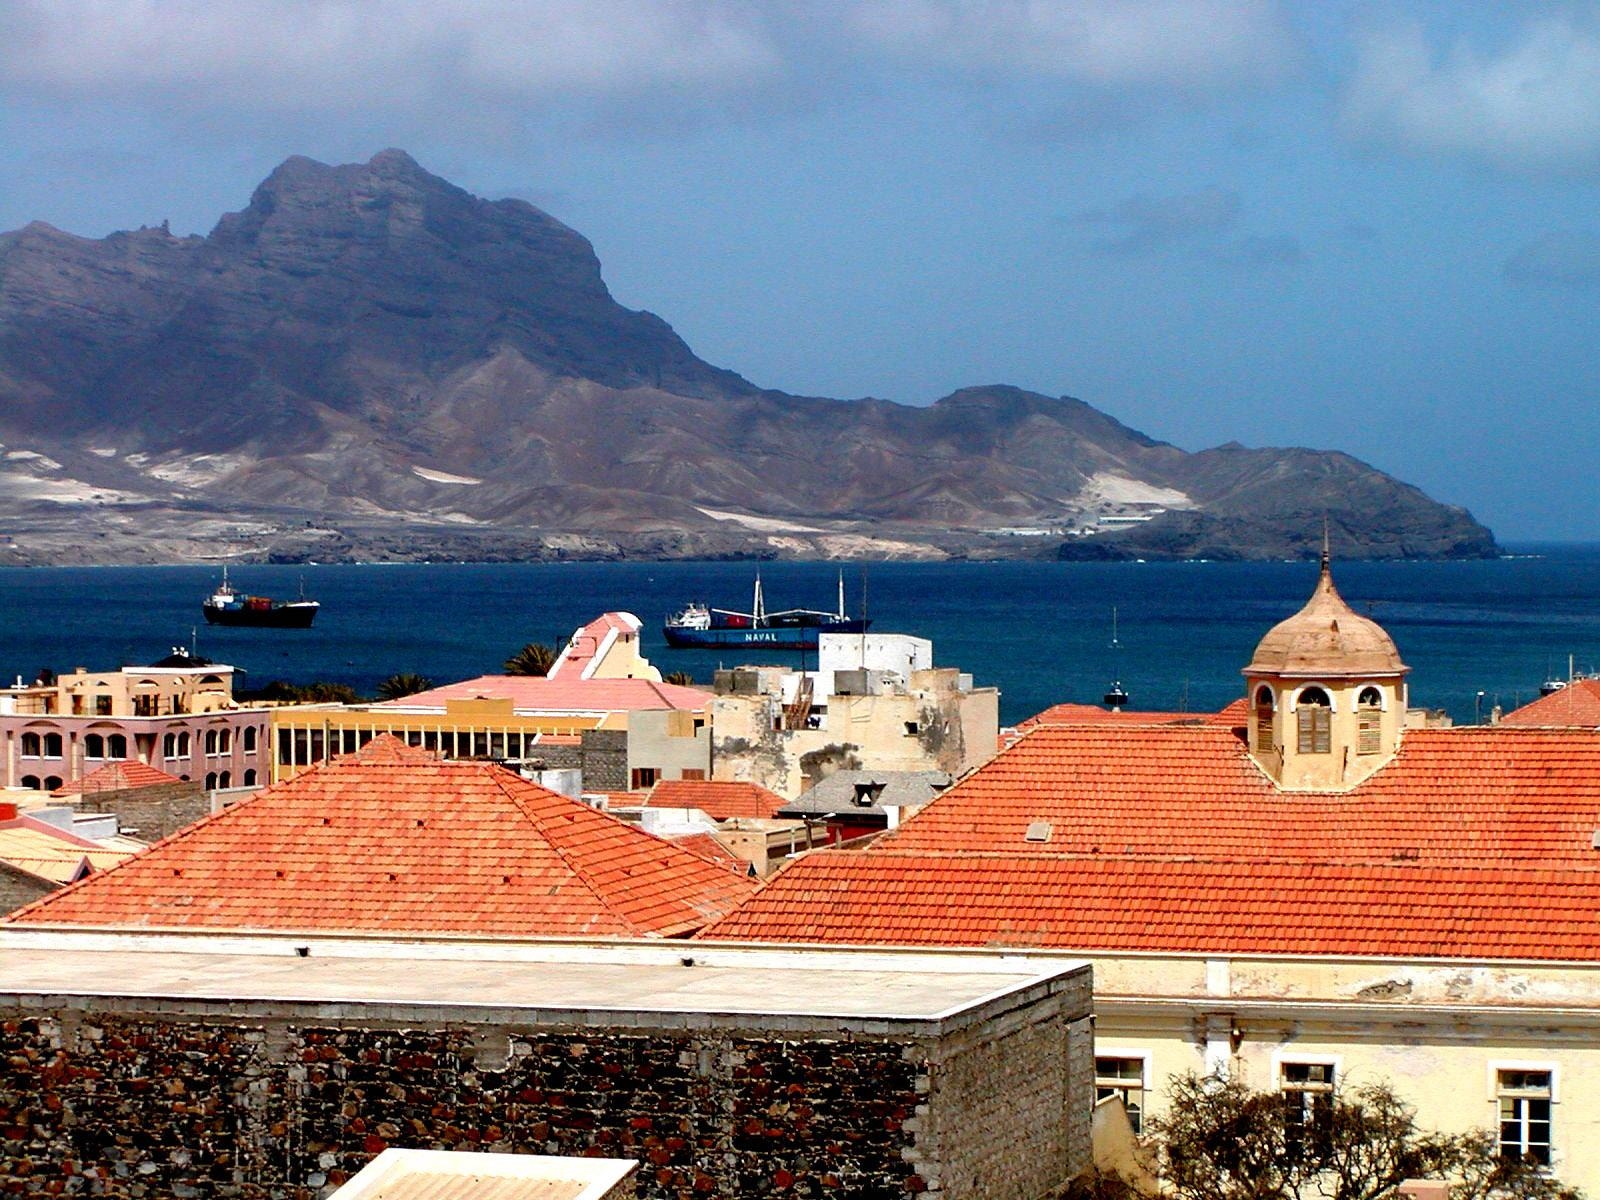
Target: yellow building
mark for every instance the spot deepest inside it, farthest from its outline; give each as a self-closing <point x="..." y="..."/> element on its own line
<point x="602" y="709"/>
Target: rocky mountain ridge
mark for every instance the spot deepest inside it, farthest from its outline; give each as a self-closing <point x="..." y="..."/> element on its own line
<point x="368" y="362"/>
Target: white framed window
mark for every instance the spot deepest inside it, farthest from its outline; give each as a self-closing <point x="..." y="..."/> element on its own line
<point x="1306" y="1085"/>
<point x="1125" y="1075"/>
<point x="1524" y="1097"/>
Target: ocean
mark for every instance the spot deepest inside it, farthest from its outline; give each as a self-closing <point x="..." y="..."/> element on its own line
<point x="1041" y="632"/>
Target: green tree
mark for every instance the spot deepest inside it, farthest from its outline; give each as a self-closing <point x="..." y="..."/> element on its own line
<point x="681" y="678"/>
<point x="535" y="658"/>
<point x="406" y="683"/>
<point x="1221" y="1141"/>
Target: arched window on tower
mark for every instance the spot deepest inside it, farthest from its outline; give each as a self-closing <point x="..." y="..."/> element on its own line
<point x="1264" y="709"/>
<point x="1369" y="721"/>
<point x="1314" y="719"/>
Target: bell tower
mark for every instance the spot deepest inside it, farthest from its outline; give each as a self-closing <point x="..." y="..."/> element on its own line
<point x="1326" y="692"/>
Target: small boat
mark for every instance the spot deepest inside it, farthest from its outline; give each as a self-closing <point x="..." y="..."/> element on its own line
<point x="699" y="626"/>
<point x="227" y="607"/>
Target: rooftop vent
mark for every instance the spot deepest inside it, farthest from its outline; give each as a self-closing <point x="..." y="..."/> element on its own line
<point x="1039" y="831"/>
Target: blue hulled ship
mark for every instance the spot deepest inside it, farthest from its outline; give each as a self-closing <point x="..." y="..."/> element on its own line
<point x="699" y="626"/>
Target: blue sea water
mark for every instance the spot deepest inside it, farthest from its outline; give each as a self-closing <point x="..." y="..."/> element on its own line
<point x="1041" y="632"/>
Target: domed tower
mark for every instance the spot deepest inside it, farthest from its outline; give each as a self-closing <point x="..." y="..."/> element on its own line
<point x="1327" y="695"/>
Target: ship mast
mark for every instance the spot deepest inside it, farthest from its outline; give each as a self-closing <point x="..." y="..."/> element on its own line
<point x="758" y="610"/>
<point x="841" y="593"/>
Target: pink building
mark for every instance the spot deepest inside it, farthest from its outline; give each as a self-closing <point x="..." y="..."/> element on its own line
<point x="177" y="715"/>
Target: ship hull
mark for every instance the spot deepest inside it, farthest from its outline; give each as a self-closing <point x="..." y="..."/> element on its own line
<point x="282" y="616"/>
<point x="768" y="637"/>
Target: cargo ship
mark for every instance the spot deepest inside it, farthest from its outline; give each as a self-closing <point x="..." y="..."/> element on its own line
<point x="227" y="607"/>
<point x="699" y="626"/>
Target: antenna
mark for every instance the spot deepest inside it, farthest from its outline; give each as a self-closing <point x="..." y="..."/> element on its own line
<point x="1327" y="556"/>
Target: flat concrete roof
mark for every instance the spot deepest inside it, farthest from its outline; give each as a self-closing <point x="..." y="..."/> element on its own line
<point x="651" y="984"/>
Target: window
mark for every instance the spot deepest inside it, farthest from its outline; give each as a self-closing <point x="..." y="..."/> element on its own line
<point x="52" y="746"/>
<point x="249" y="739"/>
<point x="1524" y="1114"/>
<point x="183" y="745"/>
<point x="250" y="777"/>
<point x="102" y="706"/>
<point x="52" y="782"/>
<point x="644" y="777"/>
<point x="1264" y="708"/>
<point x="169" y="746"/>
<point x="1123" y="1078"/>
<point x="224" y="741"/>
<point x="225" y="780"/>
<point x="31" y="782"/>
<point x="285" y="747"/>
<point x="1369" y="722"/>
<point x="1307" y="1106"/>
<point x="694" y="773"/>
<point x="211" y="782"/>
<point x="211" y="741"/>
<point x="94" y="746"/>
<point x="1314" y="716"/>
<point x="912" y="729"/>
<point x="30" y="748"/>
<point x="116" y="746"/>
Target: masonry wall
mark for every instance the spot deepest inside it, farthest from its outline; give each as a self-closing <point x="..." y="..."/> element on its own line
<point x="1011" y="1102"/>
<point x="154" y="812"/>
<point x="142" y="1105"/>
<point x="20" y="887"/>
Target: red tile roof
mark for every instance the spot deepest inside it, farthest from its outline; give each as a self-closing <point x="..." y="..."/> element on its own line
<point x="1093" y="714"/>
<point x="535" y="693"/>
<point x="713" y="851"/>
<point x="117" y="777"/>
<point x="394" y="840"/>
<point x="882" y="896"/>
<point x="717" y="799"/>
<point x="1473" y="842"/>
<point x="1451" y="796"/>
<point x="1576" y="705"/>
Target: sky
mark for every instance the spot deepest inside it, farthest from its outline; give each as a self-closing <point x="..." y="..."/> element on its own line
<point x="1370" y="227"/>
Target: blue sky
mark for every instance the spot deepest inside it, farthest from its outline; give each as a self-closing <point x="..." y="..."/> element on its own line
<point x="1367" y="227"/>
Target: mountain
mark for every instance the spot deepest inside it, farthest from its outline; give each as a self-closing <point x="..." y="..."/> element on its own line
<point x="369" y="362"/>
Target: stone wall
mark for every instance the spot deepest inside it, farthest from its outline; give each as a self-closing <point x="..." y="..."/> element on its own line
<point x="605" y="760"/>
<point x="151" y="813"/>
<point x="143" y="1105"/>
<point x="19" y="887"/>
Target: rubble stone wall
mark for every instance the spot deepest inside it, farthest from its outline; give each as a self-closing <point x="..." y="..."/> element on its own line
<point x="177" y="1105"/>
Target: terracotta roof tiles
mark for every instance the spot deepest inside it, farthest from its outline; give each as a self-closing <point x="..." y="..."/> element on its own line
<point x="385" y="841"/>
<point x="882" y="896"/>
<point x="719" y="800"/>
<point x="1575" y="706"/>
<point x="117" y="777"/>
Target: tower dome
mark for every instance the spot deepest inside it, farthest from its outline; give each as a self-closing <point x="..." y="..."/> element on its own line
<point x="1326" y="639"/>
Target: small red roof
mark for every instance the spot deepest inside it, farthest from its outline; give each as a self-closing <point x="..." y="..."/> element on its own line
<point x="1093" y="714"/>
<point x="117" y="777"/>
<point x="713" y="851"/>
<point x="719" y="800"/>
<point x="1575" y="706"/>
<point x="539" y="694"/>
<point x="397" y="841"/>
<point x="881" y="896"/>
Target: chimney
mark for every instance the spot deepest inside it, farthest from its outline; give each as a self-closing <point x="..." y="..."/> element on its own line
<point x="8" y="810"/>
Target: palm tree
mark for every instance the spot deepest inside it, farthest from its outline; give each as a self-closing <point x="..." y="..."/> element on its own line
<point x="535" y="658"/>
<point x="681" y="678"/>
<point x="406" y="683"/>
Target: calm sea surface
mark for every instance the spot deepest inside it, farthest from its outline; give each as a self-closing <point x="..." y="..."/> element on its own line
<point x="1041" y="632"/>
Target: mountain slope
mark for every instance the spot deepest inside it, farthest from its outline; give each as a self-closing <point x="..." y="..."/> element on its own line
<point x="370" y="353"/>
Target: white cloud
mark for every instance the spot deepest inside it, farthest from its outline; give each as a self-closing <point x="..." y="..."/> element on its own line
<point x="1535" y="104"/>
<point x="1173" y="43"/>
<point x="300" y="54"/>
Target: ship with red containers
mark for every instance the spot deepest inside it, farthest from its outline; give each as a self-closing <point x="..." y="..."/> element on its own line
<point x="228" y="607"/>
<point x="699" y="626"/>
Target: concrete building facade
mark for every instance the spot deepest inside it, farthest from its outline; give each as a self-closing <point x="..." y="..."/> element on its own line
<point x="177" y="715"/>
<point x="876" y="707"/>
